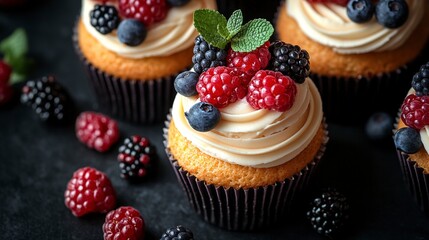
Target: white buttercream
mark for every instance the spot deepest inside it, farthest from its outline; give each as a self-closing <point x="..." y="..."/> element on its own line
<point x="175" y="33"/>
<point x="328" y="24"/>
<point x="257" y="138"/>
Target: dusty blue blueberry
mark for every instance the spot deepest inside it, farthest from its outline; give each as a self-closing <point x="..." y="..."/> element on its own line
<point x="360" y="11"/>
<point x="379" y="126"/>
<point x="391" y="13"/>
<point x="203" y="116"/>
<point x="408" y="140"/>
<point x="185" y="83"/>
<point x="131" y="32"/>
<point x="177" y="3"/>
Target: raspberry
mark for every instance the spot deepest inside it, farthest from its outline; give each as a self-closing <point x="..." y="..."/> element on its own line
<point x="5" y="72"/>
<point x="250" y="62"/>
<point x="89" y="191"/>
<point x="146" y="11"/>
<point x="271" y="90"/>
<point x="339" y="2"/>
<point x="104" y="18"/>
<point x="420" y="81"/>
<point x="415" y="111"/>
<point x="206" y="56"/>
<point x="96" y="131"/>
<point x="221" y="86"/>
<point x="135" y="157"/>
<point x="178" y="232"/>
<point x="123" y="223"/>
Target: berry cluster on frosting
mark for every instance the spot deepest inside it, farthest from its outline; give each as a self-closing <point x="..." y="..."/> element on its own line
<point x="389" y="13"/>
<point x="233" y="61"/>
<point x="132" y="19"/>
<point x="414" y="113"/>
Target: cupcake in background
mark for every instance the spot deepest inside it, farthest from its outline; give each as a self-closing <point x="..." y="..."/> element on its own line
<point x="412" y="138"/>
<point x="243" y="139"/>
<point x="363" y="52"/>
<point x="133" y="54"/>
<point x="251" y="8"/>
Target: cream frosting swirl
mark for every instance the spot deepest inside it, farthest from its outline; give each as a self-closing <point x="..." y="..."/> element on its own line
<point x="256" y="138"/>
<point x="328" y="24"/>
<point x="175" y="33"/>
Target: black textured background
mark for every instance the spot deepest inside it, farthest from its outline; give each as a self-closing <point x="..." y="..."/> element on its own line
<point x="37" y="160"/>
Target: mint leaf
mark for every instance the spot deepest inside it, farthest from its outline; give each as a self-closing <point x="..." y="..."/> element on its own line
<point x="206" y="22"/>
<point x="223" y="31"/>
<point x="252" y="35"/>
<point x="16" y="44"/>
<point x="234" y="23"/>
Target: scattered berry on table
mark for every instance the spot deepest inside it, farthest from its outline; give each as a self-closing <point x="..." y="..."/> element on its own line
<point x="250" y="62"/>
<point x="415" y="111"/>
<point x="177" y="3"/>
<point x="124" y="223"/>
<point x="408" y="140"/>
<point x="48" y="99"/>
<point x="186" y="82"/>
<point x="6" y="93"/>
<point x="360" y="11"/>
<point x="271" y="90"/>
<point x="135" y="157"/>
<point x="207" y="56"/>
<point x="203" y="116"/>
<point x="339" y="2"/>
<point x="5" y="72"/>
<point x="178" y="232"/>
<point x="420" y="81"/>
<point x="379" y="126"/>
<point x="131" y="32"/>
<point x="96" y="131"/>
<point x="329" y="212"/>
<point x="391" y="13"/>
<point x="89" y="191"/>
<point x="290" y="60"/>
<point x="221" y="86"/>
<point x="104" y="18"/>
<point x="146" y="11"/>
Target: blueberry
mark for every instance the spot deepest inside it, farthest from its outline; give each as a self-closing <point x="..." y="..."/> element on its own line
<point x="408" y="140"/>
<point x="185" y="83"/>
<point x="379" y="126"/>
<point x="177" y="3"/>
<point x="391" y="13"/>
<point x="131" y="32"/>
<point x="360" y="11"/>
<point x="203" y="116"/>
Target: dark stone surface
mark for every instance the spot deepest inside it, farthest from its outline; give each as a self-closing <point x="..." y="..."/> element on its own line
<point x="37" y="160"/>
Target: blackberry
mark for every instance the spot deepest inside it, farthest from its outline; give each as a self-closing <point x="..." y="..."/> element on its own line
<point x="420" y="81"/>
<point x="290" y="60"/>
<point x="329" y="212"/>
<point x="207" y="56"/>
<point x="135" y="157"/>
<point x="48" y="99"/>
<point x="178" y="232"/>
<point x="104" y="18"/>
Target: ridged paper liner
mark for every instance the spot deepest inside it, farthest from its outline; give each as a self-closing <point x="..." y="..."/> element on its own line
<point x="140" y="101"/>
<point x="242" y="209"/>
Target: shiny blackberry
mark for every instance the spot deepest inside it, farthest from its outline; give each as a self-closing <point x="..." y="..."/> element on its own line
<point x="48" y="99"/>
<point x="420" y="81"/>
<point x="290" y="60"/>
<point x="104" y="18"/>
<point x="207" y="56"/>
<point x="178" y="232"/>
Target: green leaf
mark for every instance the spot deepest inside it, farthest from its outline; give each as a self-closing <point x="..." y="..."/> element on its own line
<point x="234" y="23"/>
<point x="206" y="22"/>
<point x="17" y="77"/>
<point x="223" y="31"/>
<point x="252" y="35"/>
<point x="16" y="44"/>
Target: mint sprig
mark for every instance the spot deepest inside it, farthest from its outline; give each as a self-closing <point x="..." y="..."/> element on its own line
<point x="14" y="49"/>
<point x="218" y="31"/>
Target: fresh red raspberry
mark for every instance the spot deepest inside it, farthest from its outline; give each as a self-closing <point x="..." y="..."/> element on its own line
<point x="250" y="62"/>
<point x="123" y="223"/>
<point x="415" y="111"/>
<point x="6" y="93"/>
<point x="96" y="131"/>
<point x="271" y="90"/>
<point x="89" y="191"/>
<point x="339" y="2"/>
<point x="221" y="86"/>
<point x="5" y="71"/>
<point x="146" y="11"/>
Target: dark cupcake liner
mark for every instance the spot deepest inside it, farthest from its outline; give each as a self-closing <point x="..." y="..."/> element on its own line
<point x="139" y="101"/>
<point x="242" y="209"/>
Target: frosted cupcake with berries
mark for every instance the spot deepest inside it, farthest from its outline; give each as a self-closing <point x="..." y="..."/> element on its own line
<point x="412" y="137"/>
<point x="243" y="139"/>
<point x="363" y="51"/>
<point x="133" y="49"/>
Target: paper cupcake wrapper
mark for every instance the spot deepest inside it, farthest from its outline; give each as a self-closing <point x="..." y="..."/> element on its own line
<point x="242" y="209"/>
<point x="137" y="101"/>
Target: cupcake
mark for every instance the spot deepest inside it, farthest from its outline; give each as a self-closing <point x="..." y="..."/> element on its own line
<point x="362" y="52"/>
<point x="132" y="56"/>
<point x="243" y="139"/>
<point x="412" y="138"/>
